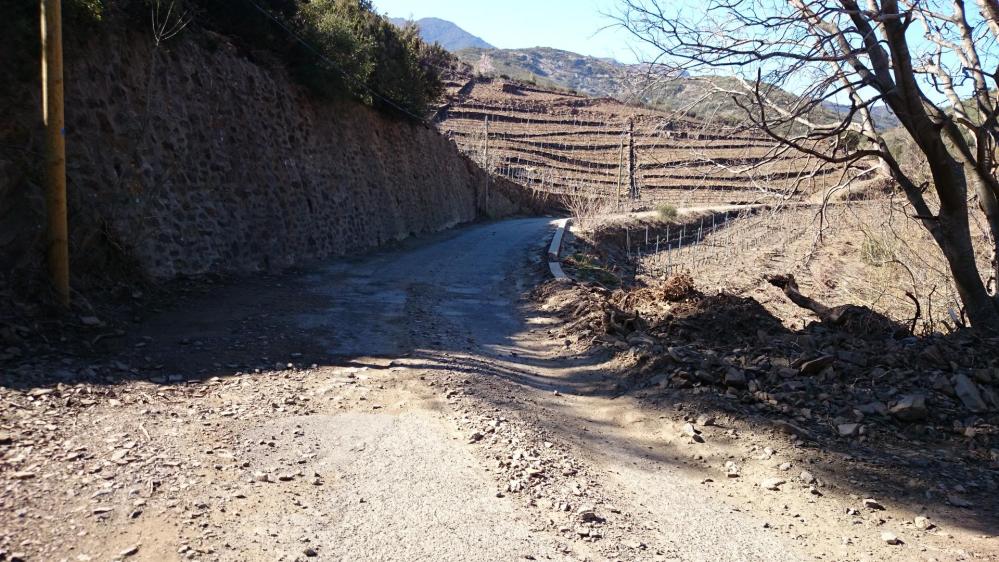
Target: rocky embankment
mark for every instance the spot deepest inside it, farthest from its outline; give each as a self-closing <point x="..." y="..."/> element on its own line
<point x="193" y="158"/>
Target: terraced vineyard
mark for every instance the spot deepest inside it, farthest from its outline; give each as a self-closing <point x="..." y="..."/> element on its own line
<point x="565" y="143"/>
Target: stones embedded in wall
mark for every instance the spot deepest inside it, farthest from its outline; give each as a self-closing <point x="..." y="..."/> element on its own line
<point x="198" y="161"/>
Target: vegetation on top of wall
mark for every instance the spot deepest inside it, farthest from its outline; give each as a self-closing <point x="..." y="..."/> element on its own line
<point x="335" y="47"/>
<point x="375" y="60"/>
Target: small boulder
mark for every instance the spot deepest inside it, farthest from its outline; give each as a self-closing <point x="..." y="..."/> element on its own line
<point x="890" y="538"/>
<point x="848" y="429"/>
<point x="967" y="392"/>
<point x="735" y="378"/>
<point x="791" y="429"/>
<point x="772" y="484"/>
<point x="911" y="407"/>
<point x="690" y="431"/>
<point x="958" y="501"/>
<point x="816" y="365"/>
<point x="871" y="503"/>
<point x="807" y="477"/>
<point x="873" y="408"/>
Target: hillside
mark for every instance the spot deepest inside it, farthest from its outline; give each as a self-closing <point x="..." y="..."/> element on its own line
<point x="629" y="83"/>
<point x="566" y="143"/>
<point x="554" y="67"/>
<point x="884" y="118"/>
<point x="445" y="33"/>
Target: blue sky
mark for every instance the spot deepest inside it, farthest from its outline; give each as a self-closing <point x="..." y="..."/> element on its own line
<point x="573" y="25"/>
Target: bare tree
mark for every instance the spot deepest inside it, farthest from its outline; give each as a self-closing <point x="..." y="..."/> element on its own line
<point x="933" y="63"/>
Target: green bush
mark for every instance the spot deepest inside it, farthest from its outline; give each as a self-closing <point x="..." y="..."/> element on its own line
<point x="666" y="212"/>
<point x="348" y="48"/>
<point x="366" y="55"/>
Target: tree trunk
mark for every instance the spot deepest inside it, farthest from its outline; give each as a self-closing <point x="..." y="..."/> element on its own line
<point x="955" y="230"/>
<point x="990" y="206"/>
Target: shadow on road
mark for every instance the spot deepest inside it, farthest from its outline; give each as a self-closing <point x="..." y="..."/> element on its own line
<point x="438" y="320"/>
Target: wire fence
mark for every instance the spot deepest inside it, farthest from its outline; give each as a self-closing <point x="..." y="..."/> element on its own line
<point x="619" y="153"/>
<point x="716" y="239"/>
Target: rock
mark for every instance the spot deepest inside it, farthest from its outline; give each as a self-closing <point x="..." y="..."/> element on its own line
<point x="848" y="429"/>
<point x="816" y="365"/>
<point x="706" y="377"/>
<point x="991" y="396"/>
<point x="791" y="429"/>
<point x="475" y="437"/>
<point x="911" y="407"/>
<point x="731" y="469"/>
<point x="638" y="338"/>
<point x="967" y="391"/>
<point x="705" y="420"/>
<point x="692" y="432"/>
<point x="852" y="357"/>
<point x="588" y="515"/>
<point x="261" y="477"/>
<point x="90" y="321"/>
<point x="735" y="378"/>
<point x="873" y="408"/>
<point x="871" y="503"/>
<point x="958" y="501"/>
<point x="982" y="375"/>
<point x="310" y="552"/>
<point x="23" y="475"/>
<point x="772" y="484"/>
<point x="807" y="477"/>
<point x="130" y="551"/>
<point x="6" y="438"/>
<point x="890" y="538"/>
<point x="923" y="524"/>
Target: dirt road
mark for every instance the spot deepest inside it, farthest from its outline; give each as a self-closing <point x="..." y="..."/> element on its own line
<point x="406" y="406"/>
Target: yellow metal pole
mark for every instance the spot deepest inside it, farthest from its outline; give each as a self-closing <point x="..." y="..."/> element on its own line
<point x="55" y="147"/>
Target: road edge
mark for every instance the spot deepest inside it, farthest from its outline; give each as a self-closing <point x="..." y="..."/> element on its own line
<point x="554" y="265"/>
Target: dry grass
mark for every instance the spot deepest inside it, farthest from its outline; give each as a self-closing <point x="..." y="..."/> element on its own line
<point x="588" y="210"/>
<point x="868" y="253"/>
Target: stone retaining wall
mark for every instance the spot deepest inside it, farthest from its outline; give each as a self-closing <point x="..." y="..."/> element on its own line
<point x="192" y="159"/>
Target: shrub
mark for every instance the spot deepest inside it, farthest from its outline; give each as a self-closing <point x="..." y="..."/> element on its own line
<point x="364" y="54"/>
<point x="350" y="50"/>
<point x="667" y="212"/>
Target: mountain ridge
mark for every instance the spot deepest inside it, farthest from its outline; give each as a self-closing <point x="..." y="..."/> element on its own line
<point x="604" y="77"/>
<point x="448" y="34"/>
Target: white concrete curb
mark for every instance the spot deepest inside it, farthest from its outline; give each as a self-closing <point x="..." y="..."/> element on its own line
<point x="553" y="251"/>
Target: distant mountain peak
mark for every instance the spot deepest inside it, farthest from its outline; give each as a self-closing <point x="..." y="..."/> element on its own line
<point x="449" y="35"/>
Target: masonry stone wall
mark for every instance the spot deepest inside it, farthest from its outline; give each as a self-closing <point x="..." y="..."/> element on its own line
<point x="192" y="159"/>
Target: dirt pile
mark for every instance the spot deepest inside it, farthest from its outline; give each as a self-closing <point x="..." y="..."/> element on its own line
<point x="829" y="382"/>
